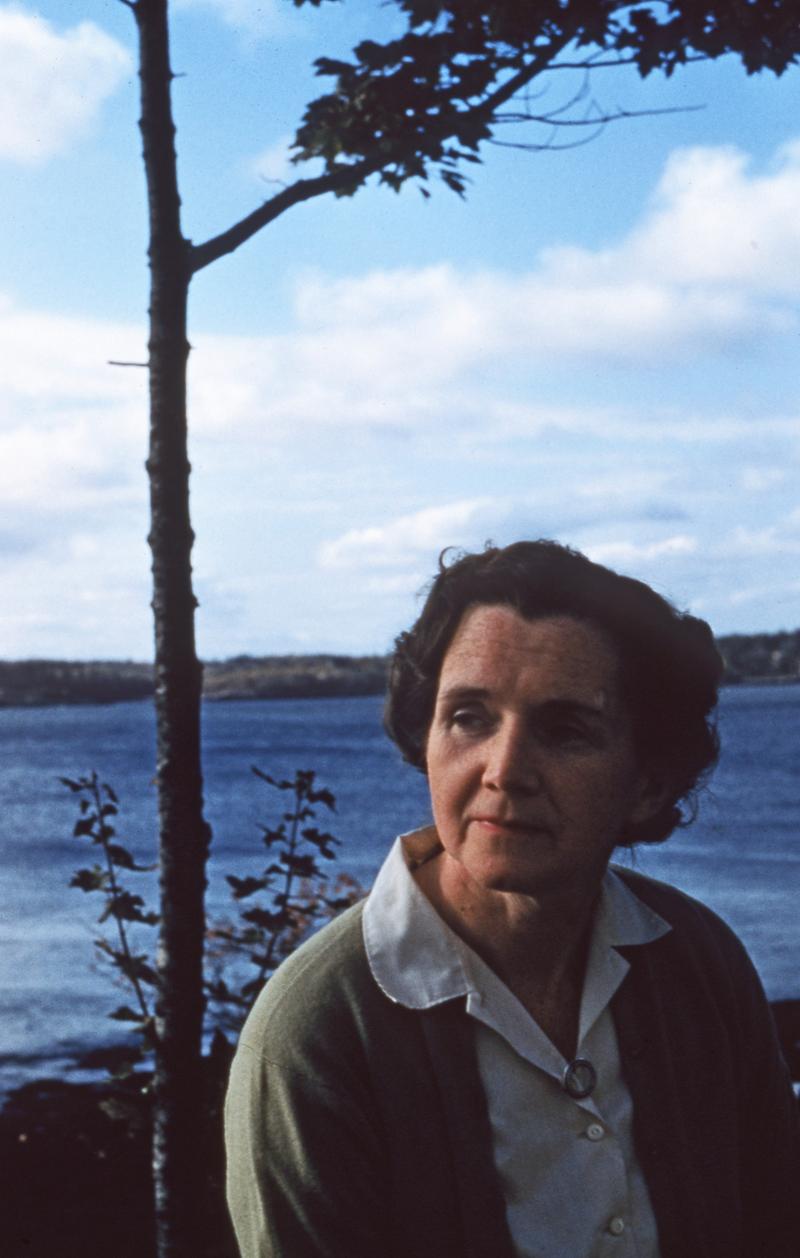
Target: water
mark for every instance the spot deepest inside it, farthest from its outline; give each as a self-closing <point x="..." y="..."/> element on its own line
<point x="742" y="856"/>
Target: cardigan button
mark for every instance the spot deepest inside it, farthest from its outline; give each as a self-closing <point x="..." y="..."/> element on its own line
<point x="616" y="1226"/>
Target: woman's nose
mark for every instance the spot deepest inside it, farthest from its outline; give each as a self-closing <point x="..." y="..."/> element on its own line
<point x="511" y="761"/>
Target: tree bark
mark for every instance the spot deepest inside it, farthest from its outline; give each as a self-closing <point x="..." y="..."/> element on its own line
<point x="183" y="832"/>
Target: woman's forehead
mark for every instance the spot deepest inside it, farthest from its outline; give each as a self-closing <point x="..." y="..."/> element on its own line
<point x="496" y="648"/>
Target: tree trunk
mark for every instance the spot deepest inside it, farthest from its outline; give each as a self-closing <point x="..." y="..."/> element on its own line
<point x="184" y="835"/>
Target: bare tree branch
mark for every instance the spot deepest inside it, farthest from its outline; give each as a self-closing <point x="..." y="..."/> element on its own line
<point x="591" y="64"/>
<point x="551" y="145"/>
<point x="302" y="190"/>
<point x="600" y="119"/>
<point x="596" y="123"/>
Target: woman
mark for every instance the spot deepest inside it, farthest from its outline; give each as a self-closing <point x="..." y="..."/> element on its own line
<point x="511" y="1048"/>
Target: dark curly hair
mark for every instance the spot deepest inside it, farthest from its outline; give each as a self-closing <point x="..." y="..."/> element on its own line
<point x="670" y="668"/>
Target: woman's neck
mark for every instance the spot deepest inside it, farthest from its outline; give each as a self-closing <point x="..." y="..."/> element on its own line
<point x="537" y="946"/>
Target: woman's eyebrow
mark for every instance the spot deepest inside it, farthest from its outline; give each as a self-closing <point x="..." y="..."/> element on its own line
<point x="463" y="693"/>
<point x="573" y="706"/>
<point x="555" y="707"/>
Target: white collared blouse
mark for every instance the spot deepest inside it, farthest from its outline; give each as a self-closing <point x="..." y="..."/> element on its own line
<point x="572" y="1183"/>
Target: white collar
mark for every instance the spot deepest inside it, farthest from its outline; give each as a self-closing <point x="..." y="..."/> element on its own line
<point x="418" y="961"/>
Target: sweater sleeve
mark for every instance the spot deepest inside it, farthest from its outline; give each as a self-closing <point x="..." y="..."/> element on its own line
<point x="305" y="1169"/>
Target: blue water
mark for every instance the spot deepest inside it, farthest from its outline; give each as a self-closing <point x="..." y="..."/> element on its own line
<point x="742" y="855"/>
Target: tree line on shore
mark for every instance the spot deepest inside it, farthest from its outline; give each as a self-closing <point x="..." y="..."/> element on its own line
<point x="755" y="657"/>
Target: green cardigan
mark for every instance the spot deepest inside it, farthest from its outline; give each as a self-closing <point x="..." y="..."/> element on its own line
<point x="358" y="1128"/>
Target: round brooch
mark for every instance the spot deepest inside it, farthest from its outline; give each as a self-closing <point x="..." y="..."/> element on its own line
<point x="579" y="1079"/>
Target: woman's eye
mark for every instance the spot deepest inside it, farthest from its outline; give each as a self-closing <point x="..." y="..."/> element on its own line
<point x="566" y="734"/>
<point x="468" y="719"/>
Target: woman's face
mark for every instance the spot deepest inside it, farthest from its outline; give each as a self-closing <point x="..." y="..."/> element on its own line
<point x="530" y="758"/>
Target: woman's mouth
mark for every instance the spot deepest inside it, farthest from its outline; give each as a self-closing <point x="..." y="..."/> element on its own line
<point x="507" y="825"/>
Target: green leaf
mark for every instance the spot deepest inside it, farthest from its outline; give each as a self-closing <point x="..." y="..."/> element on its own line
<point x="272" y="835"/>
<point x="123" y="858"/>
<point x="136" y="967"/>
<point x="325" y="797"/>
<point x="327" y="65"/>
<point x="125" y="1014"/>
<point x="266" y="920"/>
<point x="304" y="866"/>
<point x="243" y="887"/>
<point x="127" y="907"/>
<point x="322" y="840"/>
<point x="90" y="879"/>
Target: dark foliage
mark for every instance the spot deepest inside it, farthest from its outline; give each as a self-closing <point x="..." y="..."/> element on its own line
<point x="296" y="896"/>
<point x="296" y="893"/>
<point x="77" y="1175"/>
<point x="97" y="805"/>
<point x="432" y="96"/>
<point x="761" y="656"/>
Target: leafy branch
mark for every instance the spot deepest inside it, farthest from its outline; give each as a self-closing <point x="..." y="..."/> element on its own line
<point x="98" y="803"/>
<point x="299" y="894"/>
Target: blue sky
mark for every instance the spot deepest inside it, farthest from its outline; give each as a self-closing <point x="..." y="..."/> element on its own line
<point x="599" y="345"/>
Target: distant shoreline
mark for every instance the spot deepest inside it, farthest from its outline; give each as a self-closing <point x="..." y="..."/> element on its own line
<point x="56" y="683"/>
<point x="750" y="659"/>
<point x="78" y="701"/>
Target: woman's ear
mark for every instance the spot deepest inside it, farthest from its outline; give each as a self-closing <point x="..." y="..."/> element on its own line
<point x="650" y="798"/>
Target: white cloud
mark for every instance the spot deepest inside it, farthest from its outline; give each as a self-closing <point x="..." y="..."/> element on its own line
<point x="714" y="260"/>
<point x="629" y="554"/>
<point x="53" y="84"/>
<point x="710" y="221"/>
<point x="54" y="358"/>
<point x="715" y="222"/>
<point x="417" y="404"/>
<point x="413" y="540"/>
<point x="714" y="264"/>
<point x="274" y="164"/>
<point x="412" y="348"/>
<point x="372" y="366"/>
<point x="73" y="491"/>
<point x="757" y="480"/>
<point x="781" y="538"/>
<point x="767" y="594"/>
<point x="403" y="541"/>
<point x="72" y="428"/>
